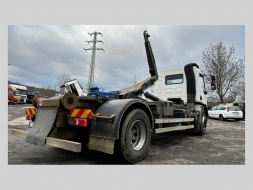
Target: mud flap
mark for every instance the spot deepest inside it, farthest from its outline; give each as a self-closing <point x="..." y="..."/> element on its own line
<point x="42" y="125"/>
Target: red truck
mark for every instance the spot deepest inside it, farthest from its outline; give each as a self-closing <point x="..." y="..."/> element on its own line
<point x="10" y="95"/>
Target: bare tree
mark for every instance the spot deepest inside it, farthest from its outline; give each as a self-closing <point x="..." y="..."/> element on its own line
<point x="62" y="79"/>
<point x="47" y="91"/>
<point x="226" y="66"/>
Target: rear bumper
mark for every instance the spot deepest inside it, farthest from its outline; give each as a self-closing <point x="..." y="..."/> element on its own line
<point x="234" y="117"/>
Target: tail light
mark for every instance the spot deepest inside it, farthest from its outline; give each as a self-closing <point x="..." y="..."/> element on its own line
<point x="80" y="122"/>
<point x="29" y="117"/>
<point x="227" y="108"/>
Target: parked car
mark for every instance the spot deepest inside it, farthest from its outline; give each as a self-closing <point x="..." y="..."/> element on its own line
<point x="223" y="112"/>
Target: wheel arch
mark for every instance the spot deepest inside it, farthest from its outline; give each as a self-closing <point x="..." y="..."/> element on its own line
<point x="138" y="105"/>
<point x="120" y="108"/>
<point x="222" y="115"/>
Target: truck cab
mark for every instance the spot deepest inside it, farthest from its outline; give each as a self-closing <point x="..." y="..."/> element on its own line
<point x="17" y="95"/>
<point x="182" y="85"/>
<point x="30" y="95"/>
<point x="23" y="92"/>
<point x="72" y="86"/>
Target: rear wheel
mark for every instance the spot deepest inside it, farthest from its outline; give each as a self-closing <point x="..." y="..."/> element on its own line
<point x="221" y="117"/>
<point x="135" y="136"/>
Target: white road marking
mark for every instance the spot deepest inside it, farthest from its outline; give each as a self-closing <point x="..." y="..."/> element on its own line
<point x="19" y="121"/>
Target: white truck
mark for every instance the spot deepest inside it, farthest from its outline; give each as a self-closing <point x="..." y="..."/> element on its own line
<point x="122" y="124"/>
<point x="72" y="86"/>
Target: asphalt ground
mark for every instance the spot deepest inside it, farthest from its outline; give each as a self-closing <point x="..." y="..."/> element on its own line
<point x="223" y="144"/>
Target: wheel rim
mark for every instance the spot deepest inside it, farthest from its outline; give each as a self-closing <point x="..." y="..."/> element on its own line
<point x="137" y="135"/>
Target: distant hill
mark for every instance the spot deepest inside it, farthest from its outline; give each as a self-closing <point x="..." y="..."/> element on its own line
<point x="48" y="91"/>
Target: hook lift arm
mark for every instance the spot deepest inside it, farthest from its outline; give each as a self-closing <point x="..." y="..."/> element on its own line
<point x="135" y="90"/>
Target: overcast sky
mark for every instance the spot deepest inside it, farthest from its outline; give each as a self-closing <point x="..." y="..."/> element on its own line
<point x="39" y="54"/>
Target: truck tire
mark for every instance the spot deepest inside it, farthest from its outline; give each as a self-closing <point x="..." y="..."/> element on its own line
<point x="135" y="136"/>
<point x="202" y="127"/>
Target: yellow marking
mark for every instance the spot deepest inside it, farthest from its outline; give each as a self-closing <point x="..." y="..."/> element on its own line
<point x="85" y="113"/>
<point x="33" y="111"/>
<point x="75" y="112"/>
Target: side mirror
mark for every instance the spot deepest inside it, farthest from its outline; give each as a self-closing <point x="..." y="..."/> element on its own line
<point x="213" y="87"/>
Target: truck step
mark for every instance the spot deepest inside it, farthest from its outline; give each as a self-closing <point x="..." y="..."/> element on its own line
<point x="59" y="143"/>
<point x="173" y="120"/>
<point x="177" y="128"/>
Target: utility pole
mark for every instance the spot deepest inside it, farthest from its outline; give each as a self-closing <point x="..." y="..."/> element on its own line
<point x="93" y="55"/>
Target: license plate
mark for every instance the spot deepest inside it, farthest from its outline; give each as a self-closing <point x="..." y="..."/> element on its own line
<point x="236" y="113"/>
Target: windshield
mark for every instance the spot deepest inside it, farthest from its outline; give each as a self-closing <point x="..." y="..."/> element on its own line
<point x="202" y="83"/>
<point x="16" y="93"/>
<point x="65" y="89"/>
<point x="234" y="108"/>
<point x="23" y="92"/>
<point x="30" y="93"/>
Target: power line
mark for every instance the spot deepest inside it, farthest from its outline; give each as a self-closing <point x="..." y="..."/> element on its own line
<point x="72" y="33"/>
<point x="120" y="70"/>
<point x="83" y="29"/>
<point x="75" y="32"/>
<point x="117" y="68"/>
<point x="116" y="64"/>
<point x="59" y="36"/>
<point x="105" y="68"/>
<point x="113" y="54"/>
<point x="93" y="27"/>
